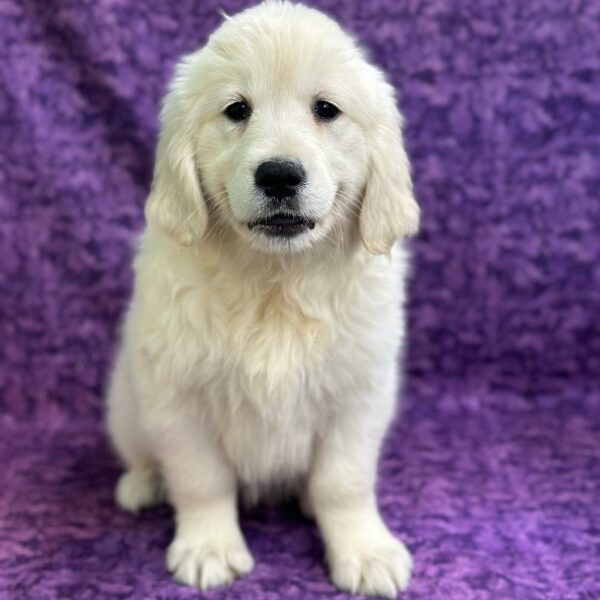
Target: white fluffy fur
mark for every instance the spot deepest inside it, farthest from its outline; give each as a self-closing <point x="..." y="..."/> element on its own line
<point x="264" y="366"/>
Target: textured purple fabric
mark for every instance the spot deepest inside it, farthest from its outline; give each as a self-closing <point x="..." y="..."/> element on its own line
<point x="493" y="475"/>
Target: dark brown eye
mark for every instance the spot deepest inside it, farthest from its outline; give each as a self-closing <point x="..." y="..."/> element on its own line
<point x="238" y="111"/>
<point x="325" y="111"/>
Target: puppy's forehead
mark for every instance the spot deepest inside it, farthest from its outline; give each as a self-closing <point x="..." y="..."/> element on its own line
<point x="279" y="46"/>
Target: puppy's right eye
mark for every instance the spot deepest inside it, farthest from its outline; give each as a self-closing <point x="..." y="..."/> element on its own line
<point x="238" y="111"/>
<point x="325" y="111"/>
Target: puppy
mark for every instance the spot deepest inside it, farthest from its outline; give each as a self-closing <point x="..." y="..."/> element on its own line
<point x="259" y="350"/>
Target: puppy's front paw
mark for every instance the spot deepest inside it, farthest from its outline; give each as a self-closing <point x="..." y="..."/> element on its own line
<point x="207" y="563"/>
<point x="379" y="566"/>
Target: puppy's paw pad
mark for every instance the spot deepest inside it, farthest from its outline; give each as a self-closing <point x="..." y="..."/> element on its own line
<point x="206" y="565"/>
<point x="376" y="568"/>
<point x="139" y="488"/>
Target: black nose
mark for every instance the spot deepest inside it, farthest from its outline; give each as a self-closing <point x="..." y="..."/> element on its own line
<point x="279" y="178"/>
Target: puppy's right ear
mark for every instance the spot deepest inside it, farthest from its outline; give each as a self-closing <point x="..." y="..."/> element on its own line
<point x="389" y="210"/>
<point x="175" y="205"/>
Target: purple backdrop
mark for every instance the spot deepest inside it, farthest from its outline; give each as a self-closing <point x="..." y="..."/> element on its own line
<point x="493" y="475"/>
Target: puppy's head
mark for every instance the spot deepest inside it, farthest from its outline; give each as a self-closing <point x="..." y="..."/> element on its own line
<point x="281" y="131"/>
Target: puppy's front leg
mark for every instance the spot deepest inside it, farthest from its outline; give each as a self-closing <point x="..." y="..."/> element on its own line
<point x="208" y="549"/>
<point x="363" y="556"/>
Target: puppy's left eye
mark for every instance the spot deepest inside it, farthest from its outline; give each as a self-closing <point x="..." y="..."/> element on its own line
<point x="238" y="111"/>
<point x="325" y="111"/>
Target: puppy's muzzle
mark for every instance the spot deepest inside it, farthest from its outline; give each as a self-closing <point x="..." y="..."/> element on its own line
<point x="280" y="179"/>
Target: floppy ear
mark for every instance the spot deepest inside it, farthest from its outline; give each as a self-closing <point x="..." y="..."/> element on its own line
<point x="175" y="205"/>
<point x="389" y="210"/>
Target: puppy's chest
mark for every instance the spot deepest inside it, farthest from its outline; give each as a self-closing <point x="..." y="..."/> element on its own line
<point x="269" y="393"/>
<point x="269" y="345"/>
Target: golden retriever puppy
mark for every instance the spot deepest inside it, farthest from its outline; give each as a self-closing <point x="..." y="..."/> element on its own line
<point x="259" y="352"/>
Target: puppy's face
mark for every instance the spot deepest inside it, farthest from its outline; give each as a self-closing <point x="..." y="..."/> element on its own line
<point x="276" y="119"/>
<point x="279" y="151"/>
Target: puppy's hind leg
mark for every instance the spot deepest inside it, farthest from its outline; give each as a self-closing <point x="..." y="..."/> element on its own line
<point x="141" y="485"/>
<point x="140" y="488"/>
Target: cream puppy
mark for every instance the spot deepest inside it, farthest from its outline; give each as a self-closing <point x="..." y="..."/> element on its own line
<point x="259" y="352"/>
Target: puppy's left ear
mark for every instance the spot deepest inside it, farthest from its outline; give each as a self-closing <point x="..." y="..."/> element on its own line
<point x="176" y="205"/>
<point x="389" y="210"/>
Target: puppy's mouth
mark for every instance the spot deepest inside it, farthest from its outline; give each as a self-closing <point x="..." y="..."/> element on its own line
<point x="283" y="225"/>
